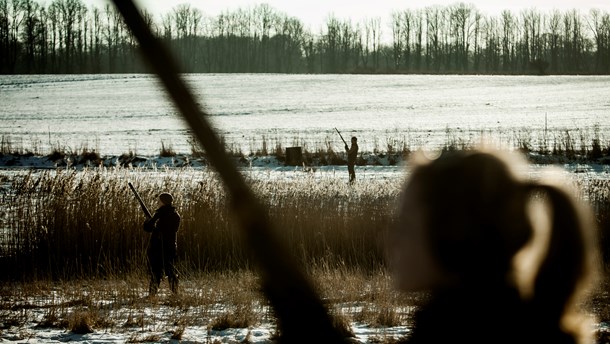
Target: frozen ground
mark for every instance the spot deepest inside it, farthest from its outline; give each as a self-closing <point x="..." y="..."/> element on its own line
<point x="156" y="328"/>
<point x="261" y="334"/>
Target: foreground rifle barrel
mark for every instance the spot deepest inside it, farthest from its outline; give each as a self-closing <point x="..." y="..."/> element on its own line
<point x="291" y="294"/>
<point x="142" y="205"/>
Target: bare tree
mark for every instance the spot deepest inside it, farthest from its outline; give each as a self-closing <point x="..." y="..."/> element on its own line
<point x="533" y="45"/>
<point x="5" y="28"/>
<point x="66" y="36"/>
<point x="309" y="49"/>
<point x="492" y="45"/>
<point x="266" y="17"/>
<point x="433" y="43"/>
<point x="110" y="35"/>
<point x="508" y="27"/>
<point x="291" y="39"/>
<point x="408" y="24"/>
<point x="396" y="25"/>
<point x="573" y="41"/>
<point x="80" y="38"/>
<point x="463" y="18"/>
<point x="330" y="43"/>
<point x="599" y="24"/>
<point x="419" y="46"/>
<point x="186" y="20"/>
<point x="554" y="39"/>
<point x="478" y="19"/>
<point x="12" y="16"/>
<point x="347" y="36"/>
<point x="96" y="41"/>
<point x="375" y="28"/>
<point x="30" y="32"/>
<point x="68" y="14"/>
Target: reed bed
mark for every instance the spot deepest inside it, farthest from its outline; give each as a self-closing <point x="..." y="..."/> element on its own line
<point x="65" y="224"/>
<point x="567" y="144"/>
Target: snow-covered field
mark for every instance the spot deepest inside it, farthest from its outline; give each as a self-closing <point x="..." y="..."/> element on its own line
<point x="115" y="114"/>
<point x="263" y="333"/>
<point x="158" y="326"/>
<point x="123" y="313"/>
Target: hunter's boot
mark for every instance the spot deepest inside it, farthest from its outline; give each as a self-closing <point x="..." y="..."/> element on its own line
<point x="173" y="285"/>
<point x="153" y="288"/>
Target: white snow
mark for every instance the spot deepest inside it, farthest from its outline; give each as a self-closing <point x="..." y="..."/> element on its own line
<point x="157" y="328"/>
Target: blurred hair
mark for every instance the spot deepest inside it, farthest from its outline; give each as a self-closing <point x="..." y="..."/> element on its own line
<point x="478" y="217"/>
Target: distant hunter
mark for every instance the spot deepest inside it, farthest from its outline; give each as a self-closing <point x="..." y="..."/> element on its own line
<point x="163" y="247"/>
<point x="352" y="155"/>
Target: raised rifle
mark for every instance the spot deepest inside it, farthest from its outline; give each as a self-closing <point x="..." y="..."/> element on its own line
<point x="341" y="136"/>
<point x="144" y="209"/>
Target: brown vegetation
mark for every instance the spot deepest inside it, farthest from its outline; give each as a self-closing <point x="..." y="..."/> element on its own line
<point x="66" y="223"/>
<point x="215" y="301"/>
<point x="540" y="146"/>
<point x="73" y="240"/>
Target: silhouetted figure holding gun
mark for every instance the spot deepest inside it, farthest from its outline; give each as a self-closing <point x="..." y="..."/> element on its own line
<point x="162" y="249"/>
<point x="352" y="155"/>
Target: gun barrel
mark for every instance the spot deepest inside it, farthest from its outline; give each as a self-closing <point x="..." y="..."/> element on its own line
<point x="341" y="136"/>
<point x="142" y="205"/>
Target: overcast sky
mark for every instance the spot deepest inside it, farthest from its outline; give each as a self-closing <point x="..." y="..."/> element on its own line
<point x="313" y="13"/>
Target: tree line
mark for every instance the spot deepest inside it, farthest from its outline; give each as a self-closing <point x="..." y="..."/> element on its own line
<point x="66" y="36"/>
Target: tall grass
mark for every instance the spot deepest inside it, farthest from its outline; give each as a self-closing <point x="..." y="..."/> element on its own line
<point x="563" y="144"/>
<point x="64" y="223"/>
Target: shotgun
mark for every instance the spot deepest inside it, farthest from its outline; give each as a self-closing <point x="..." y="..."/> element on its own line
<point x="144" y="209"/>
<point x="341" y="137"/>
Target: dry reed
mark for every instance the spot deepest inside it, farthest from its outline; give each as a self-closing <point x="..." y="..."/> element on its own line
<point x="68" y="224"/>
<point x="583" y="144"/>
<point x="65" y="224"/>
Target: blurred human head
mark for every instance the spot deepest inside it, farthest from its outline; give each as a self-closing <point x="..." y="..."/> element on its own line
<point x="354" y="139"/>
<point x="462" y="219"/>
<point x="467" y="221"/>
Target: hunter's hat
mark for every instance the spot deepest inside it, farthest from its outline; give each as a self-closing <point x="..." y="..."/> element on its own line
<point x="166" y="198"/>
